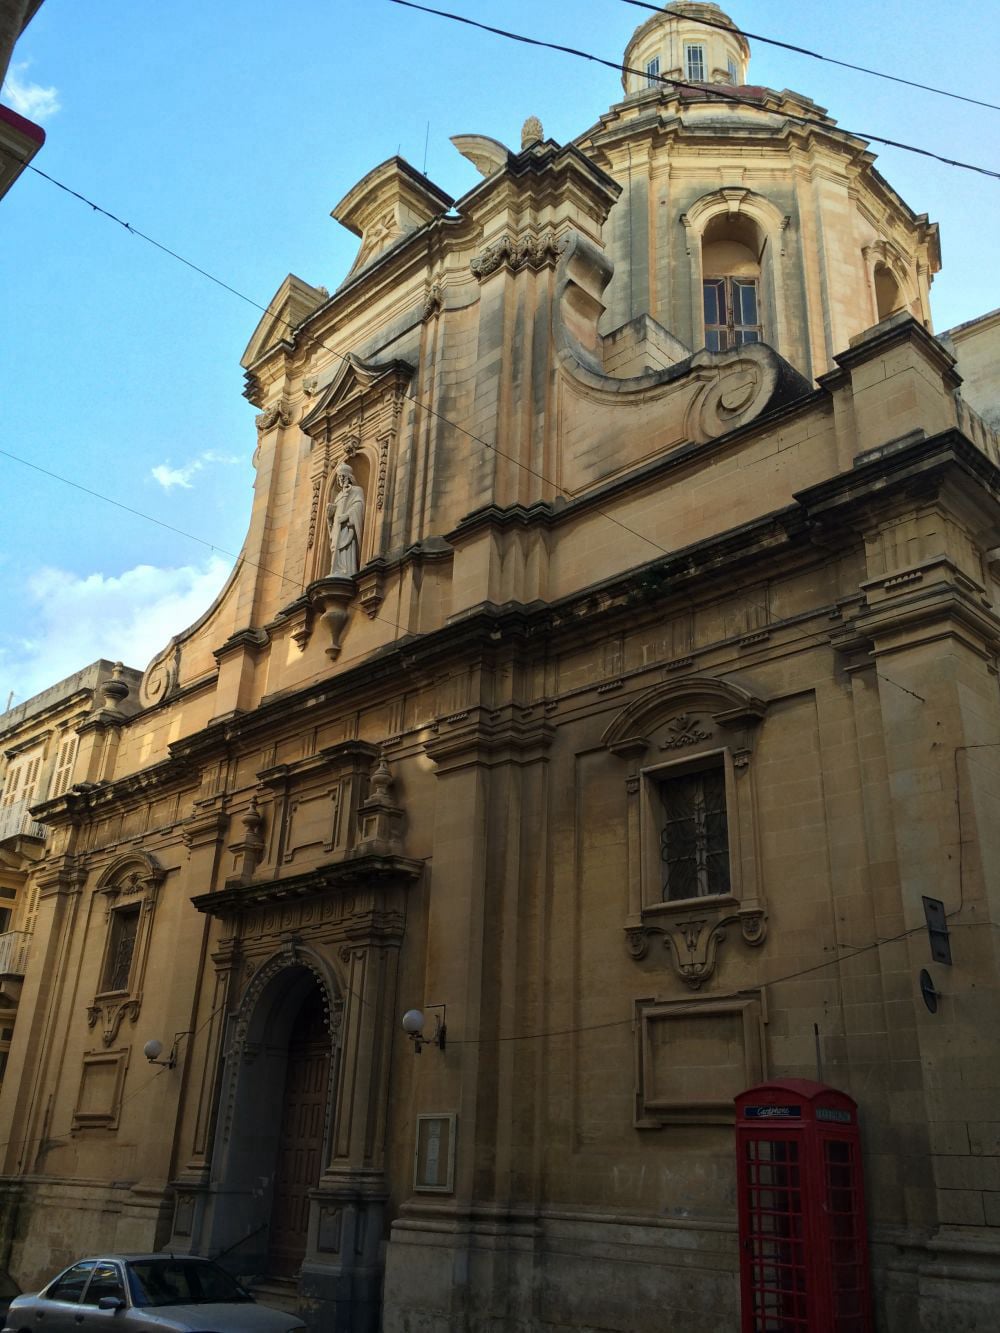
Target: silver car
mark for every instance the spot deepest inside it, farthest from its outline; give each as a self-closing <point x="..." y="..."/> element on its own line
<point x="145" y="1293"/>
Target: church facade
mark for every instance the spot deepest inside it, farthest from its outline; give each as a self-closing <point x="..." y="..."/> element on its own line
<point x="608" y="675"/>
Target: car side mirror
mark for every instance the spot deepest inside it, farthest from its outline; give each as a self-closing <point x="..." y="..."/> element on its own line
<point x="111" y="1303"/>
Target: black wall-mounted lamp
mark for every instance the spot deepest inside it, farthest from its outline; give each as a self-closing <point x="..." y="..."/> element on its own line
<point x="413" y="1026"/>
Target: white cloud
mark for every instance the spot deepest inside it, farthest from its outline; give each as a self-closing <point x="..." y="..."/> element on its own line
<point x="26" y="97"/>
<point x="128" y="617"/>
<point x="169" y="476"/>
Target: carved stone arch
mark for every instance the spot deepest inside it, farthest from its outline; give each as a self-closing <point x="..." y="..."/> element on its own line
<point x="136" y="864"/>
<point x="292" y="955"/>
<point x="771" y="223"/>
<point x="734" y="199"/>
<point x="885" y="254"/>
<point x="250" y="1119"/>
<point x="730" y="705"/>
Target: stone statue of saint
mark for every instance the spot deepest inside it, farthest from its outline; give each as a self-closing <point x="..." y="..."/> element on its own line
<point x="345" y="518"/>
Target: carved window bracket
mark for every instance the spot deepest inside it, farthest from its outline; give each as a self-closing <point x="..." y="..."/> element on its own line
<point x="694" y="942"/>
<point x="110" y="1014"/>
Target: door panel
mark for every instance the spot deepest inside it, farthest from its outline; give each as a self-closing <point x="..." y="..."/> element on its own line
<point x="300" y="1148"/>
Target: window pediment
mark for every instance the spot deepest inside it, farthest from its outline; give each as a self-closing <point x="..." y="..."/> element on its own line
<point x="680" y="714"/>
<point x="692" y="859"/>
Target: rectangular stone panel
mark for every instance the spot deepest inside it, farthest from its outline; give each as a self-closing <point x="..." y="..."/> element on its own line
<point x="694" y="1056"/>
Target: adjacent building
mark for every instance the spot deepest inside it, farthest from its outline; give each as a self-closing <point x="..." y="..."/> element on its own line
<point x="609" y="674"/>
<point x="20" y="138"/>
<point x="40" y="760"/>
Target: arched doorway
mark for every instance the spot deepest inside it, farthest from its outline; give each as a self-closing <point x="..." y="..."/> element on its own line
<point x="301" y="1136"/>
<point x="275" y="1120"/>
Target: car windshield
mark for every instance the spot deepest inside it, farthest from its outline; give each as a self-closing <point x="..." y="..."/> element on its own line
<point x="182" y="1282"/>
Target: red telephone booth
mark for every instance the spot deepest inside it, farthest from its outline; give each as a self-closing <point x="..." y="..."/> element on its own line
<point x="800" y="1194"/>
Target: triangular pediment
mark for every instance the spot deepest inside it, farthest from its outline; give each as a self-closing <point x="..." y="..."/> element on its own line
<point x="293" y="302"/>
<point x="354" y="383"/>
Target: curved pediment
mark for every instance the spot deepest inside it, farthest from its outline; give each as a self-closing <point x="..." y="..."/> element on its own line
<point x="136" y="869"/>
<point x="727" y="704"/>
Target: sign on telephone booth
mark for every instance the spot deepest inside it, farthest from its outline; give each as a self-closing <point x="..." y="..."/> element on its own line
<point x="800" y="1196"/>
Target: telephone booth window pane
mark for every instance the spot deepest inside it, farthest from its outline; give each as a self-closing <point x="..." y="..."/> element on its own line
<point x="842" y="1205"/>
<point x="777" y="1265"/>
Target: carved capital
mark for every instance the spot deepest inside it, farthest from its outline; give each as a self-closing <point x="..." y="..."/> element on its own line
<point x="278" y="414"/>
<point x="519" y="252"/>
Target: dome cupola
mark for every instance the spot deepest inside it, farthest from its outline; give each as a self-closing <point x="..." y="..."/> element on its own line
<point x="693" y="43"/>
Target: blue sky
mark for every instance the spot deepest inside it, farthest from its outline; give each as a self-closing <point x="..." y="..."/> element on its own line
<point x="228" y="130"/>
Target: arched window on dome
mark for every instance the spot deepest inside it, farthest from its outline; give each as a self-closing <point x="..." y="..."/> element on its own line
<point x="731" y="282"/>
<point x="888" y="297"/>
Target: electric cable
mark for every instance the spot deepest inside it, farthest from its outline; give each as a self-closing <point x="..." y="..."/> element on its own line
<point x="344" y="358"/>
<point x="677" y="1008"/>
<point x="815" y="55"/>
<point x="715" y="90"/>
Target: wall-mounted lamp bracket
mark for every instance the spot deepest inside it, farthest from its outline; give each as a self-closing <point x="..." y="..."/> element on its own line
<point x="413" y="1026"/>
<point x="153" y="1049"/>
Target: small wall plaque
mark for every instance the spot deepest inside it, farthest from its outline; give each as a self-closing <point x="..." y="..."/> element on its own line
<point x="434" y="1154"/>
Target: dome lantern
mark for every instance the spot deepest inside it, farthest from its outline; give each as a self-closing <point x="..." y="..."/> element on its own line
<point x="689" y="42"/>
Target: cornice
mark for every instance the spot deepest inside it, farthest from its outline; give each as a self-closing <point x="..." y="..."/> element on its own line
<point x="86" y="800"/>
<point x="893" y="332"/>
<point x="362" y="869"/>
<point x="909" y="466"/>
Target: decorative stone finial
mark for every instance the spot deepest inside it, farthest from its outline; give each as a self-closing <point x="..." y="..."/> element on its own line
<point x="531" y="132"/>
<point x="115" y="690"/>
<point x="248" y="851"/>
<point x="381" y="821"/>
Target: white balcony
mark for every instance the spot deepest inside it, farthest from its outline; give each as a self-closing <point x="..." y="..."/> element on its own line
<point x="13" y="953"/>
<point x="15" y="822"/>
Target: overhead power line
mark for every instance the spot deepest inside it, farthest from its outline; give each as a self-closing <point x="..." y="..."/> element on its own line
<point x="679" y="1008"/>
<point x="715" y="90"/>
<point x="343" y="357"/>
<point x="817" y="55"/>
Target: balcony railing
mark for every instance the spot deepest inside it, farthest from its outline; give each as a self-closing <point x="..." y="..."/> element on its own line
<point x="13" y="953"/>
<point x="16" y="822"/>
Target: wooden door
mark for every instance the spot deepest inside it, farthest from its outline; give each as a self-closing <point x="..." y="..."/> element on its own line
<point x="300" y="1147"/>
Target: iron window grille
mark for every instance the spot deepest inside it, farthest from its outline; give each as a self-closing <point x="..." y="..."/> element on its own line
<point x="694" y="836"/>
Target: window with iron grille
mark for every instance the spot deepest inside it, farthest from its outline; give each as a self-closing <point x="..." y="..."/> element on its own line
<point x="694" y="834"/>
<point x="694" y="60"/>
<point x="121" y="948"/>
<point x="731" y="313"/>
